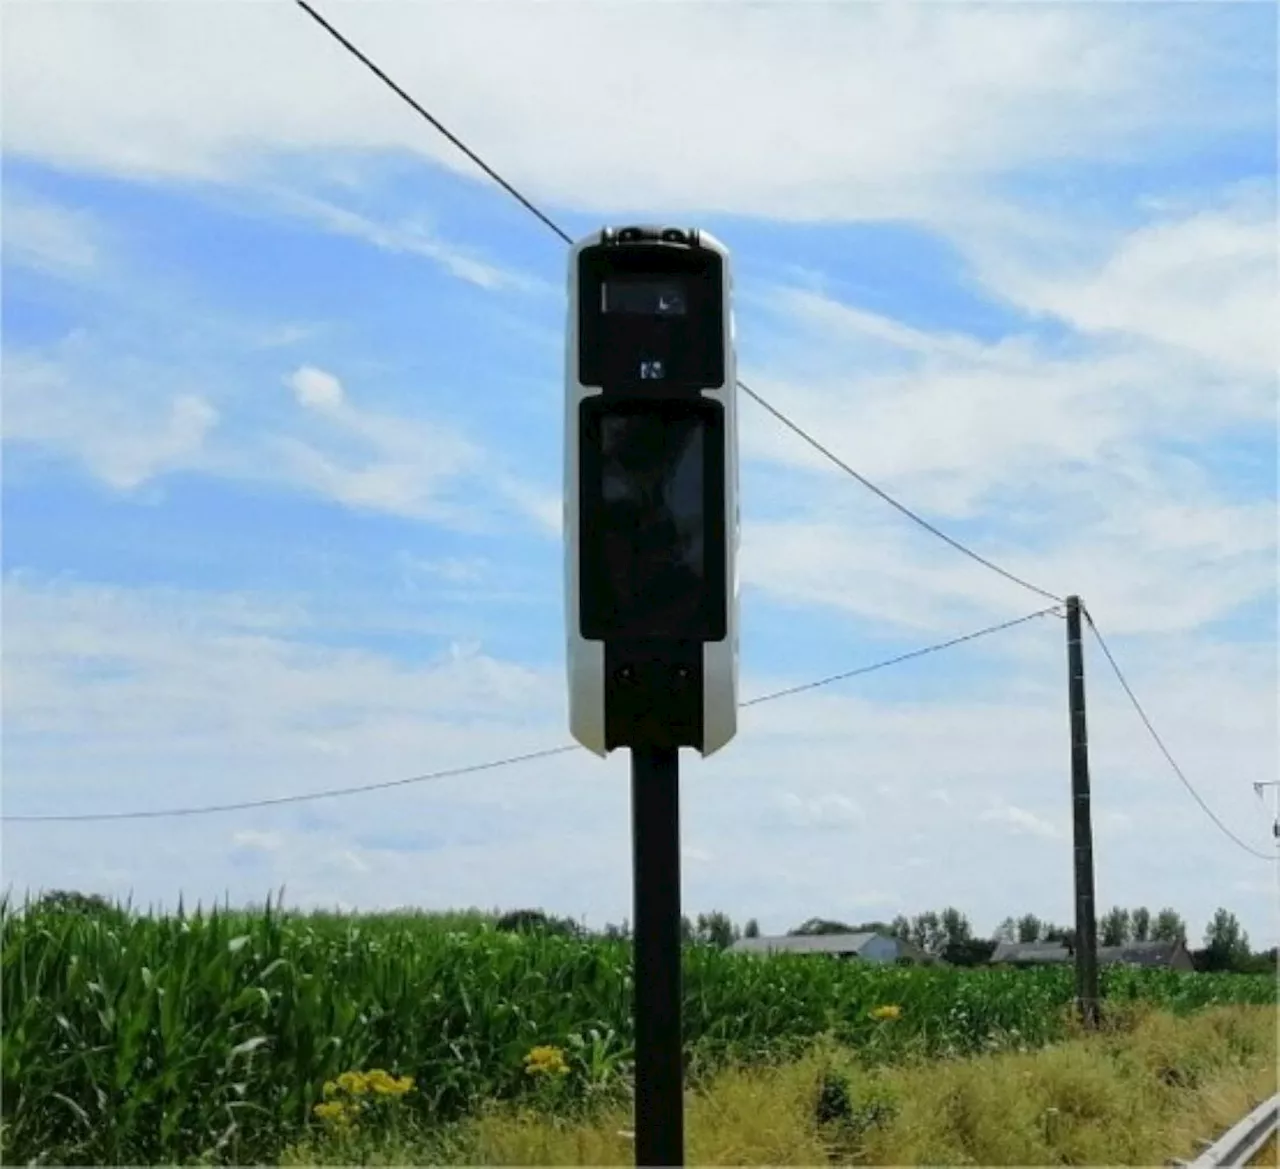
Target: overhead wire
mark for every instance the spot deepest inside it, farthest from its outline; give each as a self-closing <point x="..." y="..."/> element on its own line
<point x="1160" y="743"/>
<point x="906" y="657"/>
<point x="889" y="499"/>
<point x="550" y="223"/>
<point x="492" y="764"/>
<point x="435" y="122"/>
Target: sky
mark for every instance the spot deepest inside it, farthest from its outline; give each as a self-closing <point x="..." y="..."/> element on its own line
<point x="282" y="446"/>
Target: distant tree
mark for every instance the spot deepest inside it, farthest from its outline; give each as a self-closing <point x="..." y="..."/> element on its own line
<point x="1140" y="924"/>
<point x="1169" y="927"/>
<point x="900" y="928"/>
<point x="1062" y="934"/>
<point x="1030" y="928"/>
<point x="956" y="929"/>
<point x="927" y="932"/>
<point x="873" y="927"/>
<point x="973" y="952"/>
<point x="1007" y="930"/>
<point x="1226" y="943"/>
<point x="71" y="901"/>
<point x="537" y="921"/>
<point x="751" y="929"/>
<point x="1263" y="962"/>
<point x="716" y="929"/>
<point x="821" y="925"/>
<point x="686" y="929"/>
<point x="1114" y="929"/>
<point x="618" y="933"/>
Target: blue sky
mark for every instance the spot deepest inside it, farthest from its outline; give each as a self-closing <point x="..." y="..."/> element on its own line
<point x="282" y="444"/>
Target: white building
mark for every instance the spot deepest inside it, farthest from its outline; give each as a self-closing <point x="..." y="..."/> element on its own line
<point x="867" y="947"/>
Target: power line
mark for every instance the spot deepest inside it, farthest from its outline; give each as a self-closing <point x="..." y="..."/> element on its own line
<point x="400" y="93"/>
<point x="1159" y="742"/>
<point x="906" y="511"/>
<point x="915" y="653"/>
<point x="359" y="789"/>
<point x="302" y="797"/>
<point x="555" y="227"/>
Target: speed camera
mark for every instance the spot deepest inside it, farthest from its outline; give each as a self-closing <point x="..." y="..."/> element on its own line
<point x="651" y="491"/>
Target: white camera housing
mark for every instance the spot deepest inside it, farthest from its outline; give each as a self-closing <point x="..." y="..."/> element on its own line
<point x="651" y="596"/>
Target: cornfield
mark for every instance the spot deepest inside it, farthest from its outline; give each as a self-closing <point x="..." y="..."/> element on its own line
<point x="148" y="1039"/>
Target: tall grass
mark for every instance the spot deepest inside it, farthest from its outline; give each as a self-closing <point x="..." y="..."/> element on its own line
<point x="140" y="1040"/>
<point x="1134" y="1097"/>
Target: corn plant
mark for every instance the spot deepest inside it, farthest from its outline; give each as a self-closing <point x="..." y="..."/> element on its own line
<point x="141" y="1039"/>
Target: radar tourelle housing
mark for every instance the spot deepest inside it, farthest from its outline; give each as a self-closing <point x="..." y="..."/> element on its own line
<point x="651" y="491"/>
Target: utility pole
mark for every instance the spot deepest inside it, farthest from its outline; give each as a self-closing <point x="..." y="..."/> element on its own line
<point x="655" y="829"/>
<point x="1257" y="787"/>
<point x="1086" y="907"/>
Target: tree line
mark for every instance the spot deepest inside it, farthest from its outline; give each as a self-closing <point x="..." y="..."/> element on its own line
<point x="947" y="934"/>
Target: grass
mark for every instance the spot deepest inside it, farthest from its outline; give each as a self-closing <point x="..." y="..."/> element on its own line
<point x="1268" y="1154"/>
<point x="1138" y="1094"/>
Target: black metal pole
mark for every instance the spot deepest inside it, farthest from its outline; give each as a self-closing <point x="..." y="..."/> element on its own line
<point x="1086" y="909"/>
<point x="655" y="827"/>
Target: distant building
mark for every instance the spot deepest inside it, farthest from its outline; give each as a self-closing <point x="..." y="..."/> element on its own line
<point x="867" y="947"/>
<point x="1029" y="953"/>
<point x="1160" y="955"/>
<point x="1163" y="955"/>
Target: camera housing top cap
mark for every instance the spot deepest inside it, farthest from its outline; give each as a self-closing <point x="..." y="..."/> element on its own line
<point x="647" y="233"/>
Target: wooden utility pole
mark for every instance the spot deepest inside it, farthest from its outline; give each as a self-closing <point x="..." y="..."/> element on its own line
<point x="1082" y="821"/>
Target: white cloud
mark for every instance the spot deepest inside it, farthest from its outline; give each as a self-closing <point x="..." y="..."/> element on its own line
<point x="956" y="419"/>
<point x="283" y="336"/>
<point x="411" y="237"/>
<point x="545" y="508"/>
<point x="830" y="810"/>
<point x="1063" y="453"/>
<point x="125" y="439"/>
<point x="451" y="569"/>
<point x="316" y="389"/>
<point x="1021" y="820"/>
<point x="348" y="860"/>
<point x="384" y="461"/>
<point x="47" y="236"/>
<point x="924" y="101"/>
<point x="251" y="840"/>
<point x="129" y="419"/>
<point x="1202" y="283"/>
<point x="1115" y="822"/>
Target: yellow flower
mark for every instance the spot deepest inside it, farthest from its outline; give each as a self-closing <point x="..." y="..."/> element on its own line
<point x="386" y="1084"/>
<point x="887" y="1012"/>
<point x="330" y="1089"/>
<point x="334" y="1112"/>
<point x="546" y="1061"/>
<point x="352" y="1082"/>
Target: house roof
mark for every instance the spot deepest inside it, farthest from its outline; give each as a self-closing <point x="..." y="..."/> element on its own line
<point x="1030" y="952"/>
<point x="804" y="944"/>
<point x="1140" y="953"/>
<point x="1134" y="953"/>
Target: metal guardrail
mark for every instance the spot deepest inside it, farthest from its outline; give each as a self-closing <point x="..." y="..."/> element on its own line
<point x="1242" y="1142"/>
